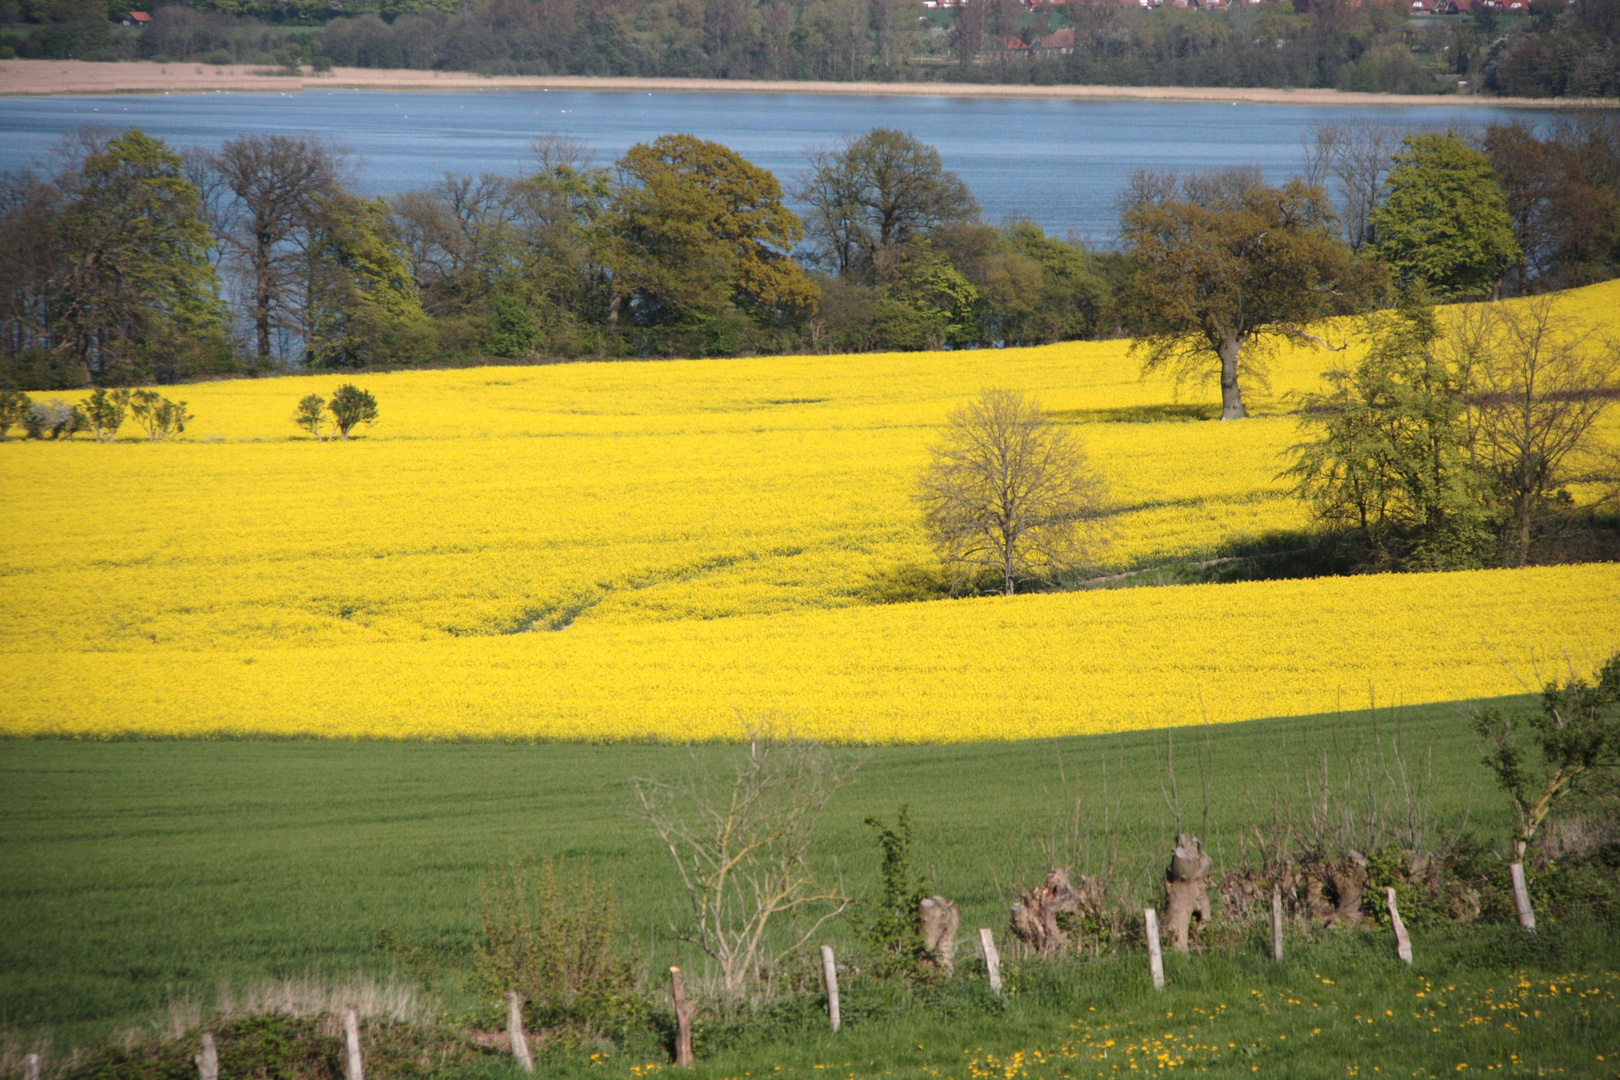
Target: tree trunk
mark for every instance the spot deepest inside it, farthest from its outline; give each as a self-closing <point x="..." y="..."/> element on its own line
<point x="1231" y="393"/>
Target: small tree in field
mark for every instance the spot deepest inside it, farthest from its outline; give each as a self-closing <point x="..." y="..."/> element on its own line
<point x="311" y="414"/>
<point x="351" y="407"/>
<point x="1224" y="267"/>
<point x="1577" y="730"/>
<point x="1542" y="384"/>
<point x="1010" y="493"/>
<point x="742" y="845"/>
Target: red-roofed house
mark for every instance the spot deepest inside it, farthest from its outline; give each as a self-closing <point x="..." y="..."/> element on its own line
<point x="1058" y="41"/>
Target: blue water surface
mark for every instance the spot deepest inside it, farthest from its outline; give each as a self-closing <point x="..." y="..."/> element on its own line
<point x="1060" y="163"/>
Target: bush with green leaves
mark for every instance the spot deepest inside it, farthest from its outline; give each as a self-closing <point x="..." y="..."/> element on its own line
<point x="350" y="407"/>
<point x="105" y="411"/>
<point x="159" y="417"/>
<point x="1388" y="457"/>
<point x="557" y="938"/>
<point x="14" y="406"/>
<point x="888" y="926"/>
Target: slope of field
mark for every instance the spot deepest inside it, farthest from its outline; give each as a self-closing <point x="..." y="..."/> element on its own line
<point x="690" y="530"/>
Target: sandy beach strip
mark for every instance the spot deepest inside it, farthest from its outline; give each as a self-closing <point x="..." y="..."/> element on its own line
<point x="62" y="77"/>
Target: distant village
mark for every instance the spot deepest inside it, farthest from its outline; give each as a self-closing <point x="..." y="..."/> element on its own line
<point x="1061" y="42"/>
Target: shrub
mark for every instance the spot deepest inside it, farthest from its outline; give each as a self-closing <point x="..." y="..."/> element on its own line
<point x="558" y="939"/>
<point x="14" y="406"/>
<point x="105" y="413"/>
<point x="54" y="418"/>
<point x="888" y="927"/>
<point x="159" y="417"/>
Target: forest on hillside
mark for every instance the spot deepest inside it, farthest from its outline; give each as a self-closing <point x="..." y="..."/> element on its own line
<point x="1552" y="49"/>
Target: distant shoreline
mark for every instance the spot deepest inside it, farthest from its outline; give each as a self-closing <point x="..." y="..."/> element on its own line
<point x="51" y="78"/>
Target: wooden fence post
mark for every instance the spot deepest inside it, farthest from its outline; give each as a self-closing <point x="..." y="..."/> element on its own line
<point x="1403" y="943"/>
<point x="31" y="1067"/>
<point x="1276" y="923"/>
<point x="1521" y="897"/>
<point x="1155" y="955"/>
<point x="208" y="1060"/>
<point x="514" y="1029"/>
<point x="829" y="970"/>
<point x="992" y="958"/>
<point x="683" y="1020"/>
<point x="354" y="1067"/>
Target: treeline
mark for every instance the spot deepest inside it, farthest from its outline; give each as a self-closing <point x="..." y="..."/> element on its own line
<point x="137" y="263"/>
<point x="1557" y="49"/>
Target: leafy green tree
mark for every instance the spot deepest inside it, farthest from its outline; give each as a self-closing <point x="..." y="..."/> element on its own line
<point x="105" y="412"/>
<point x="14" y="406"/>
<point x="1391" y="454"/>
<point x="364" y="308"/>
<point x="1443" y="221"/>
<point x="695" y="229"/>
<point x="350" y="407"/>
<point x="310" y="414"/>
<point x="137" y="276"/>
<point x="1576" y="731"/>
<point x="1223" y="267"/>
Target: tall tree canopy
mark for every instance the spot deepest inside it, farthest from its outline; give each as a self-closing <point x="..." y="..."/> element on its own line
<point x="135" y="273"/>
<point x="1443" y="221"/>
<point x="1222" y="265"/>
<point x="697" y="229"/>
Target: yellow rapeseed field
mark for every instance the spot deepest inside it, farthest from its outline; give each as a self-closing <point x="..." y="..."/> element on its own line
<point x="676" y="549"/>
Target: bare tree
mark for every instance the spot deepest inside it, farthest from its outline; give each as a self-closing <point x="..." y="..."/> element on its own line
<point x="1010" y="493"/>
<point x="869" y="197"/>
<point x="278" y="182"/>
<point x="742" y="845"/>
<point x="1358" y="157"/>
<point x="1542" y="381"/>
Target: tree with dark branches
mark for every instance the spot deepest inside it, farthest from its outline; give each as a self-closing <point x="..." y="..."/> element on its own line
<point x="1224" y="266"/>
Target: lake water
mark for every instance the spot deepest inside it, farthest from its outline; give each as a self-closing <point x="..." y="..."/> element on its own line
<point x="1059" y="163"/>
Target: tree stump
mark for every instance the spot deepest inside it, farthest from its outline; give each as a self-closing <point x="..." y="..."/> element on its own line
<point x="939" y="919"/>
<point x="1035" y="915"/>
<point x="1186" y="886"/>
<point x="208" y="1060"/>
<point x="1348" y="879"/>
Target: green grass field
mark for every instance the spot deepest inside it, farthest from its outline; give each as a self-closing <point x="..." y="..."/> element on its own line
<point x="135" y="872"/>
